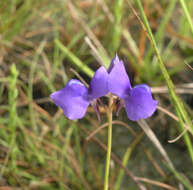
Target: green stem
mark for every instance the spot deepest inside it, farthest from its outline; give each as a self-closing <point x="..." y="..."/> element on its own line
<point x="108" y="158"/>
<point x="187" y="14"/>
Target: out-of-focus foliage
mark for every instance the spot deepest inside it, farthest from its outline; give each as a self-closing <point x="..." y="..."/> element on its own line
<point x="40" y="41"/>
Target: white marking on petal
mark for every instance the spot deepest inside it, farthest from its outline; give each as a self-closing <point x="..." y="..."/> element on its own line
<point x="143" y="86"/>
<point x="71" y="82"/>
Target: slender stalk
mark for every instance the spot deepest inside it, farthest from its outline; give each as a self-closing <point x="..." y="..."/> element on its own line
<point x="108" y="157"/>
<point x="178" y="104"/>
<point x="187" y="14"/>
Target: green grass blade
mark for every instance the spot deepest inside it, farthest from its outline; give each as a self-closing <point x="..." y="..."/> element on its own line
<point x="160" y="31"/>
<point x="125" y="160"/>
<point x="30" y="83"/>
<point x="75" y="59"/>
<point x="187" y="14"/>
<point x="179" y="107"/>
<point x="180" y="178"/>
<point x="117" y="29"/>
<point x="12" y="98"/>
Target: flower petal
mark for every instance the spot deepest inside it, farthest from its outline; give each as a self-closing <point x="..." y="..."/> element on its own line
<point x="140" y="104"/>
<point x="113" y="62"/>
<point x="98" y="85"/>
<point x="72" y="99"/>
<point x="118" y="82"/>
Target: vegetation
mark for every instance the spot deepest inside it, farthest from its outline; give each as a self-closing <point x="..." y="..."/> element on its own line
<point x="45" y="43"/>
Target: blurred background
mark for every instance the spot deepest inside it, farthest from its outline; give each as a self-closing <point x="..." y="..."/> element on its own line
<point x="42" y="43"/>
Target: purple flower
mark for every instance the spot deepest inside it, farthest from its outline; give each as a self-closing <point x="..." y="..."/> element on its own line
<point x="74" y="98"/>
<point x="138" y="101"/>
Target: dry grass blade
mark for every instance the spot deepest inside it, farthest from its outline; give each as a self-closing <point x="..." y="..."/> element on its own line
<point x="94" y="50"/>
<point x="106" y="124"/>
<point x="7" y="188"/>
<point x="117" y="160"/>
<point x="131" y="43"/>
<point x="189" y="66"/>
<point x="143" y="124"/>
<point x="96" y="131"/>
<point x="93" y="167"/>
<point x="133" y="133"/>
<point x="187" y="128"/>
<point x="164" y="89"/>
<point x="155" y="164"/>
<point x="76" y="16"/>
<point x="79" y="77"/>
<point x="170" y="114"/>
<point x="71" y="157"/>
<point x="157" y="183"/>
<point x="106" y="10"/>
<point x="178" y="137"/>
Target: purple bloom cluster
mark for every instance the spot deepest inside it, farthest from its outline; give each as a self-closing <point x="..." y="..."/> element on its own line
<point x="74" y="98"/>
